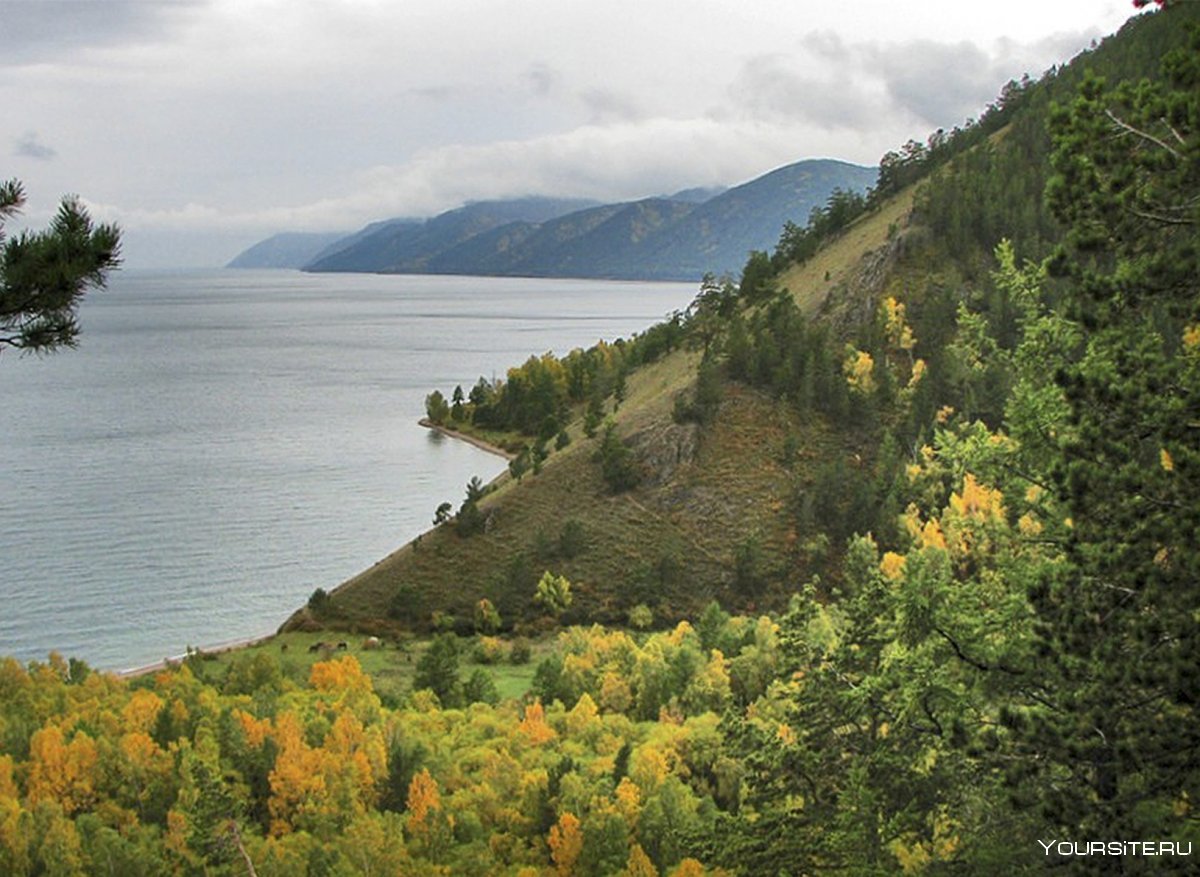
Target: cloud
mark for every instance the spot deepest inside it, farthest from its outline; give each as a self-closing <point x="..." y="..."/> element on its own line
<point x="944" y="84"/>
<point x="35" y="32"/>
<point x="613" y="162"/>
<point x="939" y="83"/>
<point x="542" y="79"/>
<point x="29" y="145"/>
<point x="605" y="105"/>
<point x="857" y="86"/>
<point x="778" y="88"/>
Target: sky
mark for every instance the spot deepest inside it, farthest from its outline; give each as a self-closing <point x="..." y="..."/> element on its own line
<point x="203" y="126"/>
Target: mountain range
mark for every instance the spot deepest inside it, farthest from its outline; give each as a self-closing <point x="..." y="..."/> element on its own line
<point x="673" y="237"/>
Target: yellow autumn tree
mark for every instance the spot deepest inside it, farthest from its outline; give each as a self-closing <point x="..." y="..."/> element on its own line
<point x="142" y="710"/>
<point x="582" y="720"/>
<point x="688" y="868"/>
<point x="566" y="843"/>
<point x="639" y="864"/>
<point x="533" y="726"/>
<point x="899" y="333"/>
<point x="859" y="369"/>
<point x="428" y="823"/>
<point x="298" y="789"/>
<point x="360" y="758"/>
<point x="615" y="694"/>
<point x="345" y="686"/>
<point x="424" y="803"/>
<point x="14" y="836"/>
<point x="62" y="772"/>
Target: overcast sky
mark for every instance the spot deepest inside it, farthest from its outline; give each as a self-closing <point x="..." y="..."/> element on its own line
<point x="202" y="126"/>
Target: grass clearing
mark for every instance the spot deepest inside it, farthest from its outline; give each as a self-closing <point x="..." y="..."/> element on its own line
<point x="391" y="666"/>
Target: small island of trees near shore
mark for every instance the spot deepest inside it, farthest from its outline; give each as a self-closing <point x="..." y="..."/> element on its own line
<point x="1000" y="647"/>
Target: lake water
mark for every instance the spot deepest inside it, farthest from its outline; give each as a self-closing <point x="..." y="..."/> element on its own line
<point x="222" y="443"/>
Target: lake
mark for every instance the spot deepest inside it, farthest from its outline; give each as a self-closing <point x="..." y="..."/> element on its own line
<point x="224" y="442"/>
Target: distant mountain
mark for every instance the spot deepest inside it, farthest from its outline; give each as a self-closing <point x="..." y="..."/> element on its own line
<point x="676" y="237"/>
<point x="720" y="233"/>
<point x="347" y="241"/>
<point x="698" y="195"/>
<point x="287" y="250"/>
<point x="411" y="247"/>
<point x="600" y="242"/>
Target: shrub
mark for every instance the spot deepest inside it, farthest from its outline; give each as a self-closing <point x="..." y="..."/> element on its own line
<point x="489" y="650"/>
<point x="640" y="616"/>
<point x="572" y="541"/>
<point x="520" y="652"/>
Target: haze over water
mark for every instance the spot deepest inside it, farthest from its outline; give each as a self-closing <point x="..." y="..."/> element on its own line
<point x="224" y="442"/>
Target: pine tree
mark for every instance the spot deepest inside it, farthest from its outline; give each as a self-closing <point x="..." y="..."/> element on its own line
<point x="1119" y="734"/>
<point x="44" y="275"/>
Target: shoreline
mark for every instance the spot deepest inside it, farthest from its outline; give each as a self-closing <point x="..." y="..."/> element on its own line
<point x="469" y="439"/>
<point x="166" y="663"/>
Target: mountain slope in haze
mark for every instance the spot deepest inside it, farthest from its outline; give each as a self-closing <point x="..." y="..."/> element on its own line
<point x="722" y="231"/>
<point x="680" y="237"/>
<point x="604" y="242"/>
<point x="412" y="247"/>
<point x="286" y="250"/>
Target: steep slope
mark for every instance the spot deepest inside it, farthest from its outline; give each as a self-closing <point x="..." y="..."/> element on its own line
<point x="715" y="510"/>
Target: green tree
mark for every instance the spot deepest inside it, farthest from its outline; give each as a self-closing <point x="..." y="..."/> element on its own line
<point x="470" y="519"/>
<point x="594" y="415"/>
<point x="553" y="593"/>
<point x="437" y="670"/>
<point x="44" y="275"/>
<point x="619" y="469"/>
<point x="456" y="410"/>
<point x="1118" y="738"/>
<point x="487" y="619"/>
<point x="437" y="409"/>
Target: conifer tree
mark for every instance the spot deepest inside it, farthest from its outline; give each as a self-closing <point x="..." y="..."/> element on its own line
<point x="44" y="275"/>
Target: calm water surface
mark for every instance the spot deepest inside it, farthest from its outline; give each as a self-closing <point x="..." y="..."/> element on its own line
<point x="222" y="443"/>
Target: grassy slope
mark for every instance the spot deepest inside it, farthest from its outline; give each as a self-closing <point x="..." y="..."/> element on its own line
<point x="732" y="489"/>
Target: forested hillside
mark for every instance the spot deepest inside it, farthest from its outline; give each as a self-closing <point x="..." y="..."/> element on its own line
<point x="894" y="542"/>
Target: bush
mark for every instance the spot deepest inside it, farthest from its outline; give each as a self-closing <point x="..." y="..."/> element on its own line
<point x="520" y="652"/>
<point x="470" y="520"/>
<point x="480" y="688"/>
<point x="640" y="616"/>
<point x="489" y="650"/>
<point x="318" y="603"/>
<point x="572" y="541"/>
<point x="617" y="465"/>
<point x="487" y="619"/>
